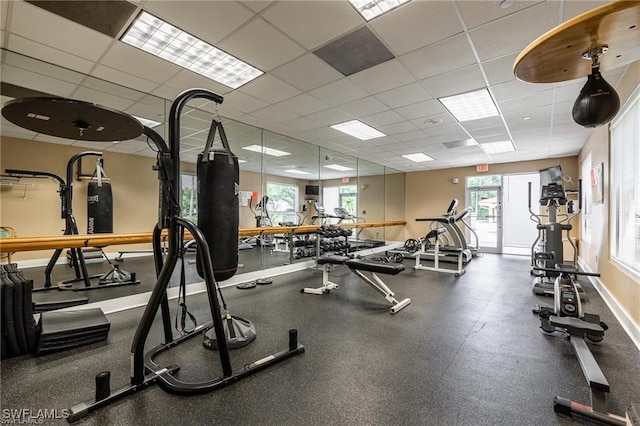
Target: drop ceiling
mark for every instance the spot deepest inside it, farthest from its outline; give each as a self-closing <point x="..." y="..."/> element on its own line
<point x="439" y="48"/>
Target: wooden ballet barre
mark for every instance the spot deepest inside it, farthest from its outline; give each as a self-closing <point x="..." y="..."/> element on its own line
<point x="102" y="240"/>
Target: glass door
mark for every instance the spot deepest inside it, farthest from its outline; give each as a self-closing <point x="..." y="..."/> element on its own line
<point x="486" y="217"/>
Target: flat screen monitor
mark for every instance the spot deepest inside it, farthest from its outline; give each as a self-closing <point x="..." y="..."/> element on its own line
<point x="551" y="175"/>
<point x="312" y="190"/>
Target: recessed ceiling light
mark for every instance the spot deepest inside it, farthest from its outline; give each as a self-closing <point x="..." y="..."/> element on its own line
<point x="433" y="121"/>
<point x="497" y="147"/>
<point x="338" y="167"/>
<point x="265" y="150"/>
<point x="358" y="129"/>
<point x="162" y="39"/>
<point x="297" y="172"/>
<point x="369" y="9"/>
<point x="418" y="157"/>
<point x="470" y="106"/>
<point x="241" y="161"/>
<point x="147" y="122"/>
<point x="526" y="118"/>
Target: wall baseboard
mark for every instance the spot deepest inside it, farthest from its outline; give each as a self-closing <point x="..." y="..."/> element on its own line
<point x="630" y="327"/>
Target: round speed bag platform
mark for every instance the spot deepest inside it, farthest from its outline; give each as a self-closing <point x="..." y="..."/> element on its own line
<point x="218" y="211"/>
<point x="99" y="208"/>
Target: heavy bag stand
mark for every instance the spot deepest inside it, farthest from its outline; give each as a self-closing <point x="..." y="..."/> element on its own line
<point x="78" y="262"/>
<point x="144" y="370"/>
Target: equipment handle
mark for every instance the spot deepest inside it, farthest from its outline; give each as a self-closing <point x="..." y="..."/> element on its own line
<point x="579" y="194"/>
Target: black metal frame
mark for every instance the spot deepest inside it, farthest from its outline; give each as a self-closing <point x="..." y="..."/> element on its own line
<point x="144" y="371"/>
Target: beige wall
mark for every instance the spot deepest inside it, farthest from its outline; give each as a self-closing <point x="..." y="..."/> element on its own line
<point x="623" y="286"/>
<point x="429" y="193"/>
<point x="38" y="213"/>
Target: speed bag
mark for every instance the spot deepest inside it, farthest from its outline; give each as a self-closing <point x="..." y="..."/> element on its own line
<point x="99" y="208"/>
<point x="218" y="211"/>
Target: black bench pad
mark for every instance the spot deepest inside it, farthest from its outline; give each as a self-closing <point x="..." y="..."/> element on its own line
<point x="370" y="266"/>
<point x="333" y="260"/>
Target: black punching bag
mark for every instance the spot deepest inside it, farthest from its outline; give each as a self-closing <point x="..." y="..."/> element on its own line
<point x="99" y="207"/>
<point x="218" y="210"/>
<point x="597" y="102"/>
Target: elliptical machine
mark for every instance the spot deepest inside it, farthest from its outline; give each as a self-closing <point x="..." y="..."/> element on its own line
<point x="547" y="250"/>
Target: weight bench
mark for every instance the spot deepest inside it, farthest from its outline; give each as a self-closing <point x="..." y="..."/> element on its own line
<point x="359" y="267"/>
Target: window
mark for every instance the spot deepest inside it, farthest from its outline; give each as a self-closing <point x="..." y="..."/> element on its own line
<point x="189" y="196"/>
<point x="345" y="196"/>
<point x="625" y="184"/>
<point x="283" y="202"/>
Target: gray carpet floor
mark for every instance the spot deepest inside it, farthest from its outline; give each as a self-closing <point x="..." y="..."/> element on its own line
<point x="467" y="351"/>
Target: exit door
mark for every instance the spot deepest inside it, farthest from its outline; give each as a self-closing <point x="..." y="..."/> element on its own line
<point x="486" y="217"/>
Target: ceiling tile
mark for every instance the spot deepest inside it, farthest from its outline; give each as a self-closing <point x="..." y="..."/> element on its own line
<point x="102" y="98"/>
<point x="517" y="89"/>
<point x="500" y="70"/>
<point x="274" y="114"/>
<point x="527" y="102"/>
<point x="383" y="77"/>
<point x="31" y="80"/>
<point x="455" y="82"/>
<point x="186" y="79"/>
<point x="397" y="128"/>
<point x="575" y="8"/>
<point x="416" y="24"/>
<point x="53" y="139"/>
<point x="48" y="54"/>
<point x="257" y="5"/>
<point x="313" y="23"/>
<point x="452" y="131"/>
<point x="303" y="104"/>
<point x="483" y="123"/>
<point x="270" y="89"/>
<point x="362" y="107"/>
<point x="36" y="24"/>
<point x="307" y="72"/>
<point x="297" y="125"/>
<point x="121" y="56"/>
<point x="42" y="68"/>
<point x="405" y="95"/>
<point x="475" y="13"/>
<point x="421" y="109"/>
<point x="261" y="45"/>
<point x="124" y="79"/>
<point x="209" y="21"/>
<point x="382" y="118"/>
<point x="522" y="28"/>
<point x="329" y="117"/>
<point x="443" y="56"/>
<point x="339" y="92"/>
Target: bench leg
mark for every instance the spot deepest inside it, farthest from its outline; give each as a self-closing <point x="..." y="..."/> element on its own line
<point x="377" y="284"/>
<point x="327" y="285"/>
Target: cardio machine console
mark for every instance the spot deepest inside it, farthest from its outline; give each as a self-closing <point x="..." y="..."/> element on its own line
<point x="553" y="192"/>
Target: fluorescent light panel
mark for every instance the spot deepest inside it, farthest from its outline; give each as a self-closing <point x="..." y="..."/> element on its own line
<point x="358" y="129"/>
<point x="338" y="167"/>
<point x="162" y="39"/>
<point x="297" y="172"/>
<point x="497" y="147"/>
<point x="471" y="106"/>
<point x="266" y="150"/>
<point x="369" y="9"/>
<point x="147" y="122"/>
<point x="418" y="157"/>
